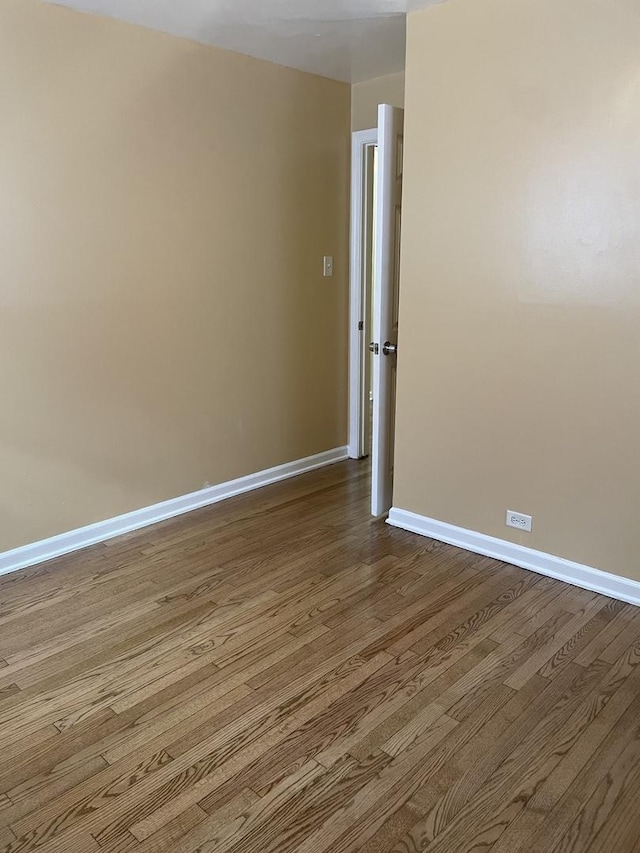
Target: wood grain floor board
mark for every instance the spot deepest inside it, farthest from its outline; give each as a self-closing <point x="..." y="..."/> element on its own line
<point x="608" y="820"/>
<point x="581" y="639"/>
<point x="48" y="622"/>
<point x="605" y="738"/>
<point x="193" y="828"/>
<point x="282" y="829"/>
<point x="310" y="738"/>
<point x="201" y="767"/>
<point x="453" y="605"/>
<point x="280" y="673"/>
<point x="391" y="831"/>
<point x="542" y="595"/>
<point x="470" y="752"/>
<point x="609" y="633"/>
<point x="163" y="627"/>
<point x="629" y="635"/>
<point x="507" y="657"/>
<point x="72" y="654"/>
<point x="377" y="802"/>
<point x="376" y="736"/>
<point x="404" y="679"/>
<point x="104" y="731"/>
<point x="494" y="800"/>
<point x="573" y="627"/>
<point x="491" y="754"/>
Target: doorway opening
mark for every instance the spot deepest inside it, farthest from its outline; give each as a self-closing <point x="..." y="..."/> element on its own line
<point x="376" y="203"/>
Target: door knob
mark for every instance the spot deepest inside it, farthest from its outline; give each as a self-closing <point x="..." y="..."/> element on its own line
<point x="373" y="347"/>
<point x="389" y="349"/>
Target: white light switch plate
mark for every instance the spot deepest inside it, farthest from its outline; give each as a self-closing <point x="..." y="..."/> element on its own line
<point x="327" y="266"/>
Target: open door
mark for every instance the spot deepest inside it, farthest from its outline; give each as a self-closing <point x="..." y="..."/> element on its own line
<point x="385" y="303"/>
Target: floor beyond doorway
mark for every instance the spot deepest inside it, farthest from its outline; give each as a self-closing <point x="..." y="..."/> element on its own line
<point x="281" y="673"/>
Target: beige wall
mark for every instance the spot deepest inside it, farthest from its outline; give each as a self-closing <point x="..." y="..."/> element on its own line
<point x="164" y="322"/>
<point x="520" y="305"/>
<point x="365" y="98"/>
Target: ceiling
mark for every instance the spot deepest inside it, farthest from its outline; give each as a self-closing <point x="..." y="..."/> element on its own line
<point x="350" y="40"/>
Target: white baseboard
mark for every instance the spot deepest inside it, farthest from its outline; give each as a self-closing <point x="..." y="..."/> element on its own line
<point x="585" y="577"/>
<point x="74" y="540"/>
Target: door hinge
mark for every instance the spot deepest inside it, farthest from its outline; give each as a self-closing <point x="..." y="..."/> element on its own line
<point x="361" y="326"/>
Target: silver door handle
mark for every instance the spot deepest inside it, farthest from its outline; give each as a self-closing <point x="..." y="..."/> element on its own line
<point x="373" y="347"/>
<point x="389" y="349"/>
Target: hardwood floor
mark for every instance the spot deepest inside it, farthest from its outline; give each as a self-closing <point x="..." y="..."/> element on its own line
<point x="280" y="673"/>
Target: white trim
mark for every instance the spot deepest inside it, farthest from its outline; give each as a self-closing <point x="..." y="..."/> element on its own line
<point x="360" y="141"/>
<point x="577" y="574"/>
<point x="74" y="540"/>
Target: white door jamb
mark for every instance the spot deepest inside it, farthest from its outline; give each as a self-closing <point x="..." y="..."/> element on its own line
<point x="361" y="141"/>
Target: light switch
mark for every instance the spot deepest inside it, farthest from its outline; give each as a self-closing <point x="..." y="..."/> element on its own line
<point x="328" y="266"/>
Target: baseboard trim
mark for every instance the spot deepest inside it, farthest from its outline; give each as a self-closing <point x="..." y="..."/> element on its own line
<point x="577" y="574"/>
<point x="74" y="540"/>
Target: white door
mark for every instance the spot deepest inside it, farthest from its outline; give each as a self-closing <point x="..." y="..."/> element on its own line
<point x="385" y="303"/>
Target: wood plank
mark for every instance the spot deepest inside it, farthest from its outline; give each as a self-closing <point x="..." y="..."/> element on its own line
<point x="471" y="752"/>
<point x="609" y="819"/>
<point x="170" y="836"/>
<point x="9" y="690"/>
<point x="281" y="673"/>
<point x="627" y="637"/>
<point x="413" y="676"/>
<point x="376" y="802"/>
<point x="483" y="758"/>
<point x="486" y="808"/>
<point x="508" y="657"/>
<point x="45" y="823"/>
<point x="391" y="831"/>
<point x="559" y="801"/>
<point x="546" y="798"/>
<point x="592" y="651"/>
<point x="381" y="733"/>
<point x="278" y="825"/>
<point x="543" y="655"/>
<point x="6" y="836"/>
<point x="216" y="767"/>
<point x="583" y="637"/>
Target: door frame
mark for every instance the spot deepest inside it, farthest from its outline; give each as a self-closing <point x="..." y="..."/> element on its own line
<point x="386" y="301"/>
<point x="361" y="142"/>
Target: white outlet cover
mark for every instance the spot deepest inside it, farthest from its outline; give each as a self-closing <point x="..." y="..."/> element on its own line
<point x="519" y="521"/>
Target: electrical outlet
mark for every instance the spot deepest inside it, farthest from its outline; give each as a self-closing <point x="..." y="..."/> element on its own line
<point x="519" y="521"/>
